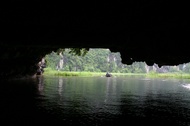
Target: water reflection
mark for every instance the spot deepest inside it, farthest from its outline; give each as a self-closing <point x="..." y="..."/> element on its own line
<point x="107" y="89"/>
<point x="186" y="86"/>
<point x="40" y="81"/>
<point x="60" y="87"/>
<point x="97" y="101"/>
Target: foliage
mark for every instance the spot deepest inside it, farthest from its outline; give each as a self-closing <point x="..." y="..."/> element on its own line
<point x="101" y="60"/>
<point x="92" y="60"/>
<point x="50" y="72"/>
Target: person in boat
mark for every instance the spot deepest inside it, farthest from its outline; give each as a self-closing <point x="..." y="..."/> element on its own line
<point x="108" y="74"/>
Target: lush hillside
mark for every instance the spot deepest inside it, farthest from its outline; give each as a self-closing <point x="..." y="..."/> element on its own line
<point x="103" y="60"/>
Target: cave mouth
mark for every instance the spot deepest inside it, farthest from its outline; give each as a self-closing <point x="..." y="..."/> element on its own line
<point x="150" y="31"/>
<point x="75" y="60"/>
<point x="19" y="60"/>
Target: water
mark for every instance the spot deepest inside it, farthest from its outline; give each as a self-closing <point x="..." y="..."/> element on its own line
<point x="95" y="101"/>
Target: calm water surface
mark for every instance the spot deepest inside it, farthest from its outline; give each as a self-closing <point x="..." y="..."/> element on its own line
<point x="95" y="101"/>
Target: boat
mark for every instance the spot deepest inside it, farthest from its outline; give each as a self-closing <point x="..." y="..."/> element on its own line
<point x="108" y="74"/>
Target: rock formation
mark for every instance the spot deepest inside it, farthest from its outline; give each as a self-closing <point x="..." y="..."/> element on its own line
<point x="157" y="30"/>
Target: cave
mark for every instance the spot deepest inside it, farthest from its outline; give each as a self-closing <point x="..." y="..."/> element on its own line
<point x="150" y="31"/>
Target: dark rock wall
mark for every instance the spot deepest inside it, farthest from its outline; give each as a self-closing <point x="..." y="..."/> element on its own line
<point x="151" y="31"/>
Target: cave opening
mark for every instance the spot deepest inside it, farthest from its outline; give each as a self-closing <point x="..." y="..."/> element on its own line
<point x="100" y="60"/>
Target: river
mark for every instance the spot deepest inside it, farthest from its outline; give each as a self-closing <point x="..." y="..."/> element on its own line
<point x="95" y="101"/>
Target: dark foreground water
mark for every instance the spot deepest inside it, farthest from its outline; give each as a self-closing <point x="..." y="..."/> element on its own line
<point x="95" y="101"/>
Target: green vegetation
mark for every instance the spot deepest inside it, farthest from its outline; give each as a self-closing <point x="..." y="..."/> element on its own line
<point x="96" y="62"/>
<point x="49" y="71"/>
<point x="168" y="75"/>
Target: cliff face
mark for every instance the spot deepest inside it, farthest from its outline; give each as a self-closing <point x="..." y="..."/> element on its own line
<point x="157" y="30"/>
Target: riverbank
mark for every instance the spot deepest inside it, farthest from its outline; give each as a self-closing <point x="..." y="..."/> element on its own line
<point x="68" y="73"/>
<point x="169" y="75"/>
<point x="51" y="72"/>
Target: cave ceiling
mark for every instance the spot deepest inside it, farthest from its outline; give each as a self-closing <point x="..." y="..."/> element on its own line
<point x="150" y="31"/>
